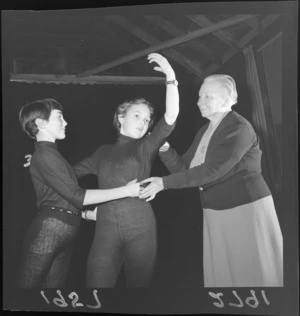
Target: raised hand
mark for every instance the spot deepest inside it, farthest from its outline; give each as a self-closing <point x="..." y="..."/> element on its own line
<point x="155" y="185"/>
<point x="133" y="188"/>
<point x="28" y="157"/>
<point x="172" y="95"/>
<point x="163" y="65"/>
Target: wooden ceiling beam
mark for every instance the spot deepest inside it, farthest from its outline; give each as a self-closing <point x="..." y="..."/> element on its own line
<point x="72" y="79"/>
<point x="254" y="23"/>
<point x="258" y="23"/>
<point x="151" y="40"/>
<point x="248" y="37"/>
<point x="269" y="19"/>
<point x="222" y="35"/>
<point x="265" y="22"/>
<point x="174" y="30"/>
<point x="170" y="43"/>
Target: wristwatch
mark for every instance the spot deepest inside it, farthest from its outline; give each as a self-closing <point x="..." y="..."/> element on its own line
<point x="174" y="82"/>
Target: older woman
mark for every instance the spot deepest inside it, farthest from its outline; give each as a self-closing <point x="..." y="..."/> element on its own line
<point x="242" y="237"/>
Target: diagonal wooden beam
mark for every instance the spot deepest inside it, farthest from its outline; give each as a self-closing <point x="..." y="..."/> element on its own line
<point x="265" y="22"/>
<point x="151" y="40"/>
<point x="170" y="43"/>
<point x="174" y="30"/>
<point x="254" y="23"/>
<point x="269" y="19"/>
<point x="222" y="35"/>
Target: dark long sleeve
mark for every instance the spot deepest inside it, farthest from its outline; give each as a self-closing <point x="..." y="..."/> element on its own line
<point x="157" y="136"/>
<point x="173" y="162"/>
<point x="55" y="181"/>
<point x="87" y="165"/>
<point x="177" y="163"/>
<point x="222" y="155"/>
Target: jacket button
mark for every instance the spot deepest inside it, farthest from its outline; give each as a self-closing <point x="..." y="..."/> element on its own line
<point x="201" y="188"/>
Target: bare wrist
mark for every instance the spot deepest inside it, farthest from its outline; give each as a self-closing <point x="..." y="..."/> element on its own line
<point x="170" y="76"/>
<point x="85" y="215"/>
<point x="162" y="184"/>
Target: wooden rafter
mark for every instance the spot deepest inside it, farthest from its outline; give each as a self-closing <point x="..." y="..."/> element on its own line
<point x="269" y="41"/>
<point x="265" y="22"/>
<point x="174" y="30"/>
<point x="170" y="43"/>
<point x="151" y="40"/>
<point x="253" y="23"/>
<point x="269" y="19"/>
<point x="222" y="35"/>
<point x="67" y="79"/>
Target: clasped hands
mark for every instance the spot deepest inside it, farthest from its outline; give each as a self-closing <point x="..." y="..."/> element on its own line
<point x="150" y="187"/>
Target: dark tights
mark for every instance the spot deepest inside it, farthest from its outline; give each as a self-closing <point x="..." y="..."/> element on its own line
<point x="138" y="258"/>
<point x="125" y="235"/>
<point x="47" y="250"/>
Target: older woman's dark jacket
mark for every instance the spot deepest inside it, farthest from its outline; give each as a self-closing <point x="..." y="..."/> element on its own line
<point x="231" y="173"/>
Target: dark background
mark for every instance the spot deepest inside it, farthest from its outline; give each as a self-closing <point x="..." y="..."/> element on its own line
<point x="89" y="112"/>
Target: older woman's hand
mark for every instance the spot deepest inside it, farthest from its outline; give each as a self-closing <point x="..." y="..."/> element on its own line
<point x="164" y="147"/>
<point x="155" y="185"/>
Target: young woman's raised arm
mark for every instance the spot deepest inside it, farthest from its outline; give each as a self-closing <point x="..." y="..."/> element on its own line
<point x="172" y="96"/>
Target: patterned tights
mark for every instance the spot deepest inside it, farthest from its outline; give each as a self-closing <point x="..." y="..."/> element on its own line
<point x="47" y="250"/>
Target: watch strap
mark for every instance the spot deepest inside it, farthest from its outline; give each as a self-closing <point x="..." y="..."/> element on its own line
<point x="174" y="82"/>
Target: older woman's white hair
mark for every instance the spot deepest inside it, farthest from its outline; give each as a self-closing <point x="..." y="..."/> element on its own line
<point x="229" y="84"/>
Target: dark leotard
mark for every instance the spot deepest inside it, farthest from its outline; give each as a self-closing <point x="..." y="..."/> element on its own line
<point x="125" y="229"/>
